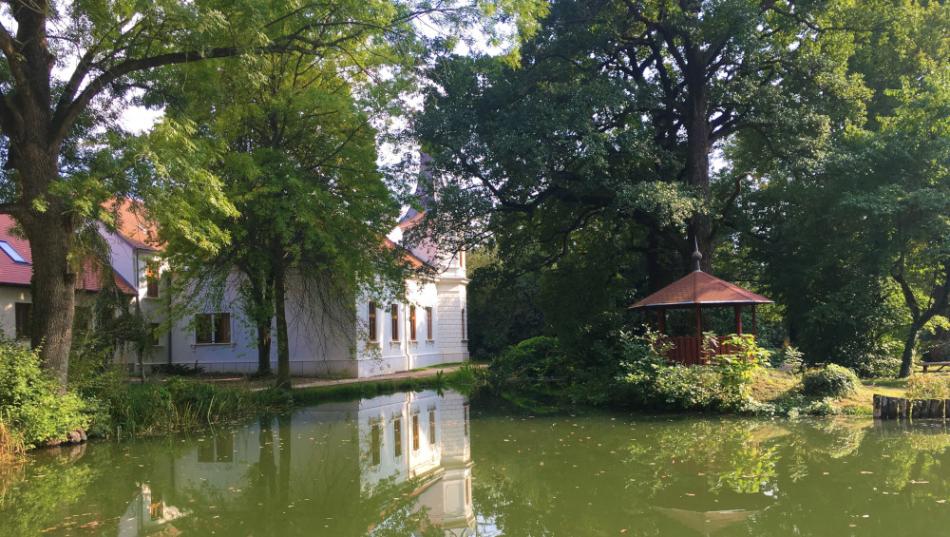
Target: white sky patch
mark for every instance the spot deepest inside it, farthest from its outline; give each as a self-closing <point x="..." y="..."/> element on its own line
<point x="139" y="120"/>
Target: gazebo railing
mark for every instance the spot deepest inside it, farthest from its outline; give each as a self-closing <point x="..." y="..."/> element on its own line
<point x="688" y="350"/>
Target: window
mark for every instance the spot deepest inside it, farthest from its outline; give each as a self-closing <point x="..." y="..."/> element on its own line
<point x="376" y="443"/>
<point x="397" y="438"/>
<point x="394" y="313"/>
<point x="151" y="280"/>
<point x="464" y="326"/>
<point x="212" y="328"/>
<point x="412" y="323"/>
<point x="372" y="322"/>
<point x="432" y="427"/>
<point x="23" y="312"/>
<point x="153" y="330"/>
<point x="415" y="432"/>
<point x="429" y="324"/>
<point x="10" y="251"/>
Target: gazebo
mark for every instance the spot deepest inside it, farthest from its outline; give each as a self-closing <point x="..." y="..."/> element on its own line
<point x="698" y="290"/>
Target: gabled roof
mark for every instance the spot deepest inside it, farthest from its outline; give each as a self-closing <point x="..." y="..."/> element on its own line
<point x="699" y="288"/>
<point x="133" y="225"/>
<point x="411" y="258"/>
<point x="20" y="274"/>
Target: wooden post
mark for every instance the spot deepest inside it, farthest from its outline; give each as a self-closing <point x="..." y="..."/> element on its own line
<point x="662" y="320"/>
<point x="699" y="334"/>
<point x="755" y="324"/>
<point x="738" y="311"/>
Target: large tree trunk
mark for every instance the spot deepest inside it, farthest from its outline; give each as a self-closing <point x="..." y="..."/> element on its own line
<point x="283" y="345"/>
<point x="907" y="358"/>
<point x="698" y="140"/>
<point x="53" y="288"/>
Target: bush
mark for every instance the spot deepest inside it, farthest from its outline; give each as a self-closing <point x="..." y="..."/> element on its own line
<point x="532" y="373"/>
<point x="927" y="387"/>
<point x="689" y="388"/>
<point x="653" y="382"/>
<point x="831" y="381"/>
<point x="32" y="408"/>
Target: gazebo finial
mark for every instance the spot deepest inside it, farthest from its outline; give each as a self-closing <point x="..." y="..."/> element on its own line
<point x="697" y="255"/>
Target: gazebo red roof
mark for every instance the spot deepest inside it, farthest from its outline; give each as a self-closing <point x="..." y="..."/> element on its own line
<point x="699" y="288"/>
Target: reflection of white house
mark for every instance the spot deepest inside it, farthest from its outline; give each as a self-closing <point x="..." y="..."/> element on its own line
<point x="426" y="327"/>
<point x="147" y="514"/>
<point x="340" y="457"/>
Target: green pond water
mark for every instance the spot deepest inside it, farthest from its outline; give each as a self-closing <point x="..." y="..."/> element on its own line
<point x="430" y="464"/>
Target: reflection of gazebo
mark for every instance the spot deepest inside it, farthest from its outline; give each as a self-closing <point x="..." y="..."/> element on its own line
<point x="706" y="522"/>
<point x="695" y="291"/>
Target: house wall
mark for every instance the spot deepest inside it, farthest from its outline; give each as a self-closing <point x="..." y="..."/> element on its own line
<point x="320" y="344"/>
<point x="386" y="356"/>
<point x="9" y="296"/>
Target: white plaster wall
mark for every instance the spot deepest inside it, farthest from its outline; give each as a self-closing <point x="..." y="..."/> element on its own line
<point x="320" y="344"/>
<point x="10" y="295"/>
<point x="121" y="254"/>
<point x="388" y="356"/>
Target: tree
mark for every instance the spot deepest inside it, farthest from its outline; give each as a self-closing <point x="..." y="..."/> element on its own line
<point x="107" y="48"/>
<point x="615" y="112"/>
<point x="853" y="242"/>
<point x="298" y="161"/>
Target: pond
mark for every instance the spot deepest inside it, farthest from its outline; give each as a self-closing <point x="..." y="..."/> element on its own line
<point x="430" y="464"/>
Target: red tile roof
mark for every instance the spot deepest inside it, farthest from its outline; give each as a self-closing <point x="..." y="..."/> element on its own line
<point x="133" y="224"/>
<point x="19" y="274"/>
<point x="411" y="258"/>
<point x="700" y="288"/>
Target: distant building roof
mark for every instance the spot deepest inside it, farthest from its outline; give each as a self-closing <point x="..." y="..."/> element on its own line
<point x="699" y="288"/>
<point x="132" y="223"/>
<point x="17" y="273"/>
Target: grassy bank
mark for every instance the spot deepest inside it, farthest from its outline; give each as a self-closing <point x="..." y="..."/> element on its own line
<point x="783" y="389"/>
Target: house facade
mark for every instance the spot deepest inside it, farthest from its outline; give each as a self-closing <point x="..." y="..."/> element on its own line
<point x="426" y="327"/>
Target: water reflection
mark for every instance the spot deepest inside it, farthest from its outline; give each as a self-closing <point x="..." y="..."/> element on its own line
<point x="392" y="465"/>
<point x="403" y="465"/>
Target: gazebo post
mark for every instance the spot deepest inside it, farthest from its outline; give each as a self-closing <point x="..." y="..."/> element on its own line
<point x="661" y="313"/>
<point x="699" y="333"/>
<point x="738" y="311"/>
<point x="755" y="324"/>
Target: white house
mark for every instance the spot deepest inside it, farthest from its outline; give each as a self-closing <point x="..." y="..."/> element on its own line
<point x="426" y="327"/>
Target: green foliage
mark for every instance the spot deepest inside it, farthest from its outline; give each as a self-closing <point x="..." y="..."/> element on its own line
<point x="831" y="381"/>
<point x="32" y="408"/>
<point x="928" y="387"/>
<point x="737" y="357"/>
<point x="651" y="381"/>
<point x="788" y="356"/>
<point x="132" y="409"/>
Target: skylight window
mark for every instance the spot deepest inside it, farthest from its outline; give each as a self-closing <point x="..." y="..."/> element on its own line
<point x="14" y="255"/>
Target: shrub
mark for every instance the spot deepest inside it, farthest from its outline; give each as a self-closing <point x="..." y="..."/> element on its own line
<point x="31" y="405"/>
<point x="927" y="387"/>
<point x="533" y="372"/>
<point x="831" y="381"/>
<point x="689" y="388"/>
<point x="653" y="382"/>
<point x="737" y="360"/>
<point x="788" y="357"/>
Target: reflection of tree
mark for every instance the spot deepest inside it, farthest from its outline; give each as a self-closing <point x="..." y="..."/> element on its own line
<point x="36" y="497"/>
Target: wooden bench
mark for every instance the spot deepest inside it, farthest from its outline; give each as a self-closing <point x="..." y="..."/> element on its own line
<point x="938" y="365"/>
